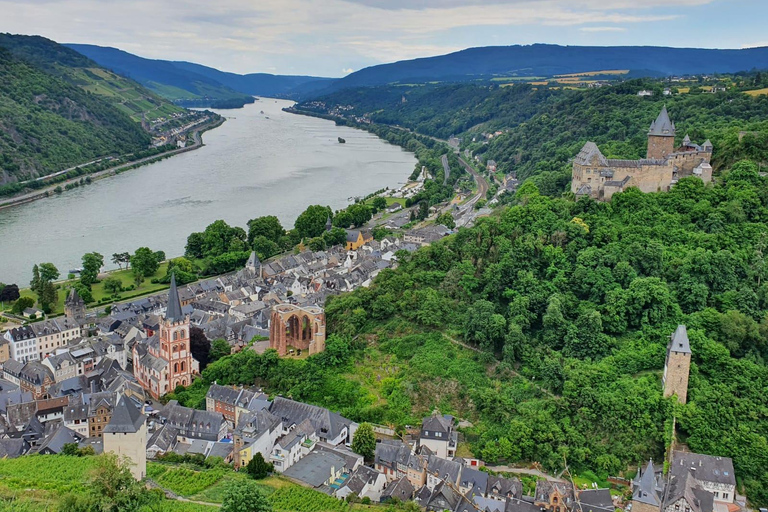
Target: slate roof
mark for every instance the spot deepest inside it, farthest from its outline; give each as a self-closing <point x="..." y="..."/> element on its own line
<point x="683" y="485"/>
<point x="436" y="423"/>
<point x="544" y="488"/>
<point x="596" y="500"/>
<point x="55" y="442"/>
<point x="12" y="448"/>
<point x="587" y="154"/>
<point x="192" y="422"/>
<point x="520" y="505"/>
<point x="400" y="489"/>
<point x="328" y="425"/>
<point x="253" y="424"/>
<point x="647" y="486"/>
<point x="488" y="504"/>
<point x="73" y="299"/>
<point x="164" y="438"/>
<point x="126" y="418"/>
<point x="229" y="395"/>
<point x="475" y="480"/>
<point x="662" y="126"/>
<point x="173" y="311"/>
<point x="362" y="476"/>
<point x="443" y="468"/>
<point x="706" y="468"/>
<point x="315" y="468"/>
<point x="443" y="497"/>
<point x="679" y="341"/>
<point x="508" y="487"/>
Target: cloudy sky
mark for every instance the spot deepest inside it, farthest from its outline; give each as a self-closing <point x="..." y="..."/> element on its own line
<point x="335" y="37"/>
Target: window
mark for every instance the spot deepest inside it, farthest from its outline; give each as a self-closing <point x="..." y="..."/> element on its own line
<point x="725" y="495"/>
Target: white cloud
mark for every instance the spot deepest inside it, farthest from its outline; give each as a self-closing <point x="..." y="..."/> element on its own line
<point x="347" y="71"/>
<point x="603" y="29"/>
<point x="313" y="36"/>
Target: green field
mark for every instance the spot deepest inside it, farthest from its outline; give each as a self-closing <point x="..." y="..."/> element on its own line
<point x="125" y="276"/>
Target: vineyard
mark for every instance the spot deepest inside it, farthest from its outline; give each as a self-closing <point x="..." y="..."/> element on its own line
<point x="43" y="472"/>
<point x="183" y="481"/>
<point x="301" y="499"/>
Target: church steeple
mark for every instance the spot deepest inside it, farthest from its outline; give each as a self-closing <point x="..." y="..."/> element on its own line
<point x="173" y="313"/>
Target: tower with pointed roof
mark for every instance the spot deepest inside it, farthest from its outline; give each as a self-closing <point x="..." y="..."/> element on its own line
<point x="648" y="489"/>
<point x="126" y="436"/>
<point x="661" y="136"/>
<point x="74" y="307"/>
<point x="678" y="365"/>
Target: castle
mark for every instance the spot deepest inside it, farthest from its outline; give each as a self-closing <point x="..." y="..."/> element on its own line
<point x="164" y="361"/>
<point x="599" y="178"/>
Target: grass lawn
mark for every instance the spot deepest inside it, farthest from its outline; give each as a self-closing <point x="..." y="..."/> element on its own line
<point x="98" y="292"/>
<point x="757" y="92"/>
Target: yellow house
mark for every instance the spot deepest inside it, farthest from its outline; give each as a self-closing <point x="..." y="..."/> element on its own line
<point x="357" y="238"/>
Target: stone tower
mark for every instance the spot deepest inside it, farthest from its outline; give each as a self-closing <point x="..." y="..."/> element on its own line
<point x="661" y="136"/>
<point x="126" y="436"/>
<point x="74" y="307"/>
<point x="677" y="365"/>
<point x="175" y="342"/>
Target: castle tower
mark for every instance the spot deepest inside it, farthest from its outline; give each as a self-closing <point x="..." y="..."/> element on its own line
<point x="175" y="342"/>
<point x="126" y="436"/>
<point x="74" y="307"/>
<point x="677" y="365"/>
<point x="661" y="136"/>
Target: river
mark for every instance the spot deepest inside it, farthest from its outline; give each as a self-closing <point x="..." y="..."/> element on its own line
<point x="255" y="164"/>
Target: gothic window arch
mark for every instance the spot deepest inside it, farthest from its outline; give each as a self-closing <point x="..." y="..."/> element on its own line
<point x="182" y="366"/>
<point x="175" y="367"/>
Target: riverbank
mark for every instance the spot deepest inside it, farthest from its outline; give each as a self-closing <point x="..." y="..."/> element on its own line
<point x="49" y="191"/>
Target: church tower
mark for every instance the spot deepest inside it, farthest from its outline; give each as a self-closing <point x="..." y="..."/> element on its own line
<point x="175" y="342"/>
<point x="661" y="136"/>
<point x="74" y="307"/>
<point x="677" y="365"/>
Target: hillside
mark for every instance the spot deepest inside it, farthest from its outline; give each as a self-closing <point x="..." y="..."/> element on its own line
<point x="72" y="67"/>
<point x="539" y="129"/>
<point x="185" y="82"/>
<point x="47" y="124"/>
<point x="548" y="60"/>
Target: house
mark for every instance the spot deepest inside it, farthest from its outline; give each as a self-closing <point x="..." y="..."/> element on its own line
<point x="365" y="482"/>
<point x="488" y="504"/>
<point x="357" y="238"/>
<point x="595" y="500"/>
<point x="500" y="488"/>
<point x="317" y="469"/>
<point x="126" y="436"/>
<point x="226" y="400"/>
<point x="648" y="488"/>
<point x="554" y="496"/>
<point x="400" y="489"/>
<point x="35" y="378"/>
<point x="442" y="470"/>
<point x="692" y="474"/>
<point x="13" y="448"/>
<point x="256" y="432"/>
<point x="100" y="407"/>
<point x="438" y="435"/>
<point x="443" y="497"/>
<point x="329" y="427"/>
<point x="194" y="424"/>
<point x="293" y="446"/>
<point x="54" y="443"/>
<point x="23" y="344"/>
<point x="76" y="418"/>
<point x="396" y="460"/>
<point x="211" y="449"/>
<point x="473" y="482"/>
<point x="521" y="505"/>
<point x="162" y="441"/>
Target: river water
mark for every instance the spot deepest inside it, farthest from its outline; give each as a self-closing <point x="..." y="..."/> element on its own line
<point x="255" y="164"/>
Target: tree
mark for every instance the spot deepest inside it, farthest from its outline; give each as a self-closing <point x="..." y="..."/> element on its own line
<point x="144" y="260"/>
<point x="343" y="219"/>
<point x="264" y="247"/>
<point x="361" y="213"/>
<point x="138" y="278"/>
<point x="258" y="468"/>
<point x="117" y="259"/>
<point x="84" y="292"/>
<point x="268" y="226"/>
<point x="200" y="346"/>
<point x="48" y="297"/>
<point x="48" y="272"/>
<point x="378" y="203"/>
<point x="159" y="256"/>
<point x="336" y="236"/>
<point x="34" y="284"/>
<point x="446" y="219"/>
<point x="311" y="222"/>
<point x="9" y="293"/>
<point x="364" y="441"/>
<point x="219" y="348"/>
<point x="21" y="304"/>
<point x="245" y="496"/>
<point x="92" y="263"/>
<point x="113" y="285"/>
<point x="316" y="244"/>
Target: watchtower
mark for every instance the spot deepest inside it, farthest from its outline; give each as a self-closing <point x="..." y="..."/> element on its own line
<point x="678" y="365"/>
<point x="74" y="307"/>
<point x="661" y="136"/>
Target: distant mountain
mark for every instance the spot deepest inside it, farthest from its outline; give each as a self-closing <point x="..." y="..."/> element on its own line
<point x="76" y="69"/>
<point x="185" y="81"/>
<point x="548" y="60"/>
<point x="48" y="122"/>
<point x="179" y="85"/>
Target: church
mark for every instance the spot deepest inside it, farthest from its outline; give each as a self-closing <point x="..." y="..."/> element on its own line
<point x="164" y="361"/>
<point x="599" y="177"/>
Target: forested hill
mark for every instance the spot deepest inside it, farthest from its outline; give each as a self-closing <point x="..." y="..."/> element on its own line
<point x="48" y="124"/>
<point x="548" y="60"/>
<point x="186" y="81"/>
<point x="537" y="130"/>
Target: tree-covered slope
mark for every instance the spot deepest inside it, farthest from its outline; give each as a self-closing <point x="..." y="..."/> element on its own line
<point x="76" y="69"/>
<point x="48" y="124"/>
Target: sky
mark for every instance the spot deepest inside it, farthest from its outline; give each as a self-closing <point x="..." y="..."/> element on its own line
<point x="337" y="37"/>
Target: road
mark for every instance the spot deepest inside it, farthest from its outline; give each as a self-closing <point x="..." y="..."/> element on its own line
<point x="467" y="213"/>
